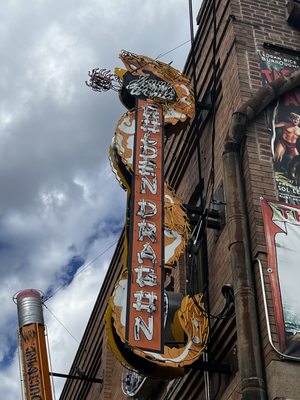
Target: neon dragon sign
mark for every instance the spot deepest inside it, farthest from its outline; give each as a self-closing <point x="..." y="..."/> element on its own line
<point x="139" y="310"/>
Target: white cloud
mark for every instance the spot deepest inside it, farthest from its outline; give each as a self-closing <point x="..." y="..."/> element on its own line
<point x="69" y="307"/>
<point x="59" y="198"/>
<point x="52" y="64"/>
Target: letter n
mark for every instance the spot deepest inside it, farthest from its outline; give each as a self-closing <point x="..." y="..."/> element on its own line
<point x="140" y="325"/>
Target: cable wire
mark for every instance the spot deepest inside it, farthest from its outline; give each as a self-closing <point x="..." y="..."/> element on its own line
<point x="81" y="270"/>
<point x="225" y="313"/>
<point x="170" y="51"/>
<point x="55" y="317"/>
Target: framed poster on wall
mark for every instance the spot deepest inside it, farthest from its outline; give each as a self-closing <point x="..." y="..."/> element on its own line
<point x="282" y="232"/>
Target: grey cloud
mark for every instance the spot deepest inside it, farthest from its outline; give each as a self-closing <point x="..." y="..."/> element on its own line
<point x="59" y="198"/>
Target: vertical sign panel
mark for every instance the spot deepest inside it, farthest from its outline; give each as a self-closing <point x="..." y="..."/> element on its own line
<point x="144" y="325"/>
<point x="282" y="231"/>
<point x="35" y="362"/>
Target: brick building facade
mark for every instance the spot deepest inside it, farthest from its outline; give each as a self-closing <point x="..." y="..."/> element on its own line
<point x="222" y="162"/>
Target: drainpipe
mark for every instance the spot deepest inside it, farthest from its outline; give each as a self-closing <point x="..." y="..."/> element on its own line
<point x="249" y="351"/>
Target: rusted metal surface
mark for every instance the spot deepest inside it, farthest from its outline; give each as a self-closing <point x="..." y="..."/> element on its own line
<point x="250" y="363"/>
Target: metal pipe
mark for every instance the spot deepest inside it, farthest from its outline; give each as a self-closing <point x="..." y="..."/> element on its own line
<point x="76" y="377"/>
<point x="20" y="366"/>
<point x="206" y="374"/>
<point x="249" y="355"/>
<point x="193" y="56"/>
<point x="50" y="362"/>
<point x="206" y="378"/>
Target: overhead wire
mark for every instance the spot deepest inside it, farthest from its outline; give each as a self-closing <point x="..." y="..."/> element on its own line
<point x="81" y="270"/>
<point x="63" y="286"/>
<point x="170" y="51"/>
<point x="160" y="55"/>
<point x="55" y="317"/>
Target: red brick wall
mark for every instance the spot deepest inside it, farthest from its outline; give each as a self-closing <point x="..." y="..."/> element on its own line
<point x="243" y="27"/>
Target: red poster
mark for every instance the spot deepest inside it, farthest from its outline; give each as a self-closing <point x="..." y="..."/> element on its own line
<point x="283" y="120"/>
<point x="144" y="325"/>
<point x="282" y="231"/>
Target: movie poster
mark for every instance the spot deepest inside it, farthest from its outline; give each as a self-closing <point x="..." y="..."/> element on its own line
<point x="282" y="231"/>
<point x="283" y="119"/>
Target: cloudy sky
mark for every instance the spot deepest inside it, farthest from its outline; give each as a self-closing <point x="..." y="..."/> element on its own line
<point x="60" y="204"/>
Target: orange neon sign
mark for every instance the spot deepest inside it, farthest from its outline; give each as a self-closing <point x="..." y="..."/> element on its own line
<point x="139" y="312"/>
<point x="146" y="255"/>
